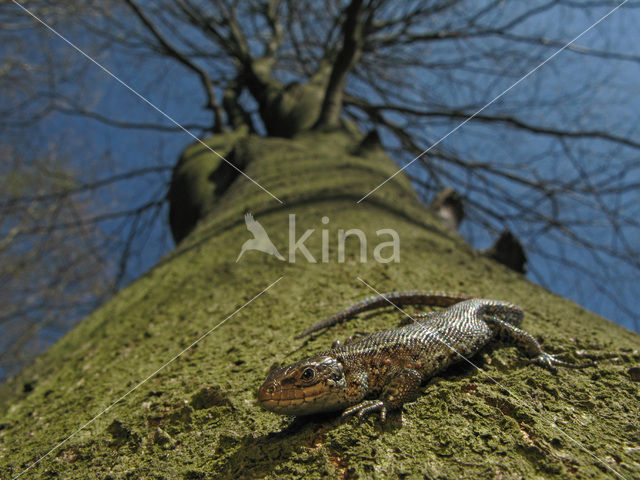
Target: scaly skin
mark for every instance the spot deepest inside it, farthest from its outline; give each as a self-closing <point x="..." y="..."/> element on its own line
<point x="384" y="370"/>
<point x="435" y="298"/>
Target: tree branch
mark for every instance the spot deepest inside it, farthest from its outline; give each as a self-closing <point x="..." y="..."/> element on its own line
<point x="346" y="58"/>
<point x="205" y="79"/>
<point x="507" y="119"/>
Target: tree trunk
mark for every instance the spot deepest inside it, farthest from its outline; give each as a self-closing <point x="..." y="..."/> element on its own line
<point x="197" y="417"/>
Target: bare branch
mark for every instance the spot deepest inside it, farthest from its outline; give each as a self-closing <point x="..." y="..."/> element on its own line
<point x="346" y="58"/>
<point x="207" y="83"/>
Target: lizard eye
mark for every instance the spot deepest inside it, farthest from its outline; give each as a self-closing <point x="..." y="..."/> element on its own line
<point x="308" y="374"/>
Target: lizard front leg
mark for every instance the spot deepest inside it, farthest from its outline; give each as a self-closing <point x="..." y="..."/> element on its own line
<point x="402" y="388"/>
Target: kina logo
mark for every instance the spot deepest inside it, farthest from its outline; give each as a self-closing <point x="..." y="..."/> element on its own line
<point x="262" y="243"/>
<point x="260" y="240"/>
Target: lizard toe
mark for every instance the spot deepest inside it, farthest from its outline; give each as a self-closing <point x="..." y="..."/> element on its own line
<point x="550" y="361"/>
<point x="368" y="406"/>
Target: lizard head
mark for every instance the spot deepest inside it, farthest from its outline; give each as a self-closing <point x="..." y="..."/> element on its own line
<point x="313" y="385"/>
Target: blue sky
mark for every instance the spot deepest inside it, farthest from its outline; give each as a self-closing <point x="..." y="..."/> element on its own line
<point x="612" y="102"/>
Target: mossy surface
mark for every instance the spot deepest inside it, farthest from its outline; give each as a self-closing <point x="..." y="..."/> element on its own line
<point x="199" y="179"/>
<point x="197" y="417"/>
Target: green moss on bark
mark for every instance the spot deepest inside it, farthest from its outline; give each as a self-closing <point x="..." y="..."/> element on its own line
<point x="199" y="179"/>
<point x="197" y="418"/>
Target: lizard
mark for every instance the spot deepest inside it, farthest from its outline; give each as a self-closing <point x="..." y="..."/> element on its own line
<point x="382" y="371"/>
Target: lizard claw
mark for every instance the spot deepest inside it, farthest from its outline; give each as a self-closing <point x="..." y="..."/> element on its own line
<point x="550" y="361"/>
<point x="367" y="406"/>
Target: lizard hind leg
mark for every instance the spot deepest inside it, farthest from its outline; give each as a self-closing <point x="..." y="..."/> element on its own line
<point x="402" y="388"/>
<point x="526" y="342"/>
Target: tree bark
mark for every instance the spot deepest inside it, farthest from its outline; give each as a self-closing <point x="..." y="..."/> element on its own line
<point x="197" y="417"/>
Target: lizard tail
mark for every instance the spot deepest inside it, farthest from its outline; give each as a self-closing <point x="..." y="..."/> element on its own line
<point x="415" y="297"/>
